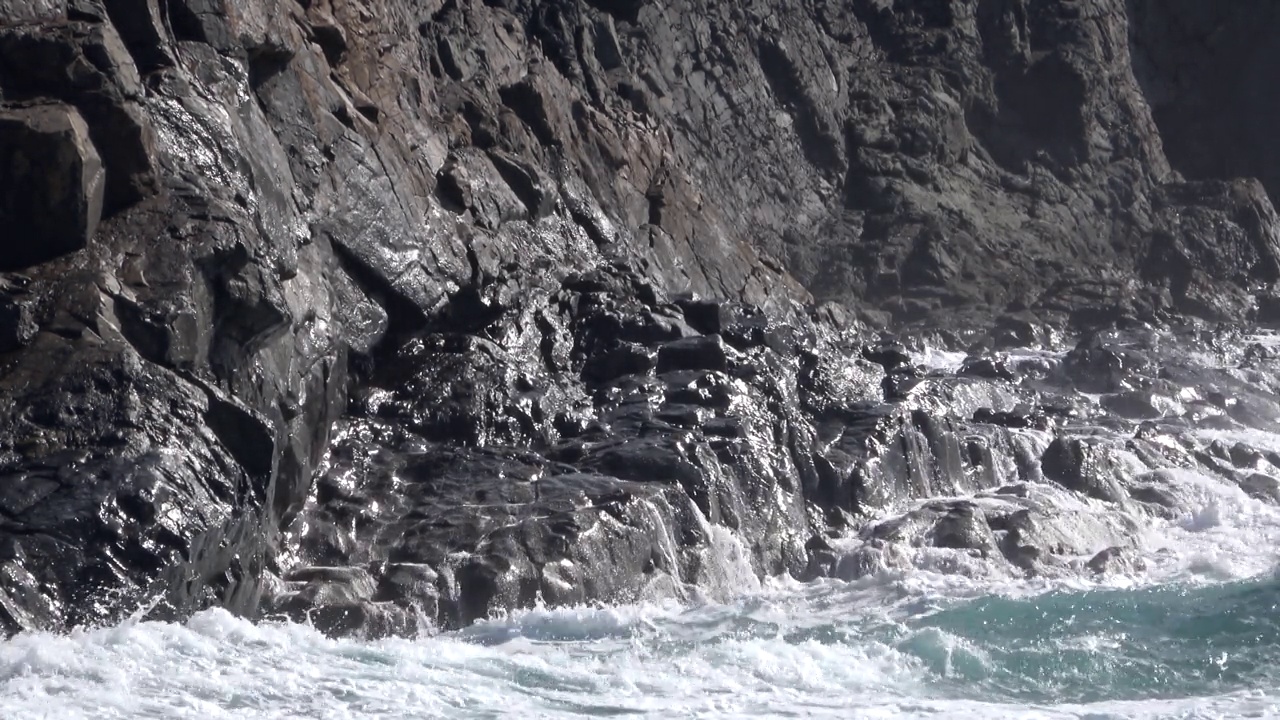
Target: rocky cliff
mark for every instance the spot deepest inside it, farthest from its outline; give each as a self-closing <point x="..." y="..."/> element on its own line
<point x="392" y="313"/>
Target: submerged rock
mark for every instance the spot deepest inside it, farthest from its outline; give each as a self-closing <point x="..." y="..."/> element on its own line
<point x="1115" y="560"/>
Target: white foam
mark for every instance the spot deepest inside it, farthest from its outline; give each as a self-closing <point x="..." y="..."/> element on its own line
<point x="665" y="659"/>
<point x="649" y="660"/>
<point x="1224" y="534"/>
<point x="935" y="359"/>
<point x="1221" y="535"/>
<point x="1234" y="705"/>
<point x="644" y="661"/>
<point x="217" y="666"/>
<point x="1258" y="439"/>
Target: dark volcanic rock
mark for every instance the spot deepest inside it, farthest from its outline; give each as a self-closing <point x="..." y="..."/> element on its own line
<point x="1262" y="487"/>
<point x="963" y="527"/>
<point x="1115" y="560"/>
<point x="1200" y="85"/>
<point x="455" y="534"/>
<point x="552" y="266"/>
<point x="1084" y="466"/>
<point x="51" y="184"/>
<point x="987" y="367"/>
<point x="700" y="353"/>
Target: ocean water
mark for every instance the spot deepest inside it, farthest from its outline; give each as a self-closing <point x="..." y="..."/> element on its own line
<point x="1194" y="635"/>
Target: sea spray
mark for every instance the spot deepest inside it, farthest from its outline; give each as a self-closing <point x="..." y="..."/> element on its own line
<point x="1170" y="641"/>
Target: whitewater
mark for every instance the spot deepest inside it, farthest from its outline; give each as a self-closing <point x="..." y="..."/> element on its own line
<point x="1191" y="632"/>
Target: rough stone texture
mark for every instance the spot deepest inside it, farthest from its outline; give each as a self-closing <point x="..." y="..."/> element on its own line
<point x="408" y="311"/>
<point x="51" y="184"/>
<point x="1201" y="66"/>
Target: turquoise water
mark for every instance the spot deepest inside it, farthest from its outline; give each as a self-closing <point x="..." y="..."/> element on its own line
<point x="1167" y="642"/>
<point x="942" y="634"/>
<point x="793" y="651"/>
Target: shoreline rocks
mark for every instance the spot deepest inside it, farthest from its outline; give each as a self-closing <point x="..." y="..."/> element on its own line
<point x="313" y="277"/>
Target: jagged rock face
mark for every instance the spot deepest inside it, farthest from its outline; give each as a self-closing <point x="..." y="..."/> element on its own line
<point x="1071" y="498"/>
<point x="283" y="187"/>
<point x="600" y="450"/>
<point x="562" y="254"/>
<point x="1000" y="154"/>
<point x="1199" y="65"/>
<point x="53" y="184"/>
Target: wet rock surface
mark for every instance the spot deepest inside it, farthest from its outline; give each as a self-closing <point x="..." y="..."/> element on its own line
<point x="53" y="184"/>
<point x="395" y="315"/>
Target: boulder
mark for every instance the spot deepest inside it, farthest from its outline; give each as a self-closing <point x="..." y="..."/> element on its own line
<point x="1085" y="466"/>
<point x="1262" y="487"/>
<point x="1116" y="560"/>
<point x="51" y="184"/>
<point x="695" y="353"/>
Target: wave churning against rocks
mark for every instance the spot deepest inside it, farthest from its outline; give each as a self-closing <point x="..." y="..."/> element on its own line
<point x="1043" y="463"/>
<point x="919" y="643"/>
<point x="401" y="316"/>
<point x="1135" y="608"/>
<point x="541" y="272"/>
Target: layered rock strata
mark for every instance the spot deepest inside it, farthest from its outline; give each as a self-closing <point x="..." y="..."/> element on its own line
<point x="400" y="313"/>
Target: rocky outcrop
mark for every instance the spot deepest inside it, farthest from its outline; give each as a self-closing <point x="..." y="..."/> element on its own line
<point x="389" y="313"/>
<point x="1199" y="66"/>
<point x="605" y="448"/>
<point x="53" y="184"/>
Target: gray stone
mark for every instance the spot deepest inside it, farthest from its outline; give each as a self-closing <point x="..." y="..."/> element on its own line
<point x="396" y="278"/>
<point x="51" y="184"/>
